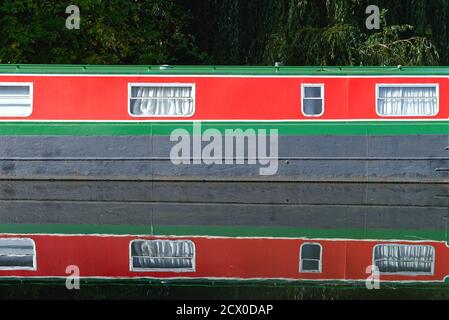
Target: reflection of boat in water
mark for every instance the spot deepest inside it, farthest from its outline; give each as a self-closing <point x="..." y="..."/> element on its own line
<point x="227" y="229"/>
<point x="141" y="215"/>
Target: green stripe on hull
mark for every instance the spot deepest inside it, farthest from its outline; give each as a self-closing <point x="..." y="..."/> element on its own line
<point x="284" y="128"/>
<point x="356" y="234"/>
<point x="222" y="283"/>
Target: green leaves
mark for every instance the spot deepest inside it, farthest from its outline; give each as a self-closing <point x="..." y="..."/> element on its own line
<point x="344" y="40"/>
<point x="319" y="32"/>
<point x="112" y="32"/>
<point x="392" y="46"/>
<point x="259" y="32"/>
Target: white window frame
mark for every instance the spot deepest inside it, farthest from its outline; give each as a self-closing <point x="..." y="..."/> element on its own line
<point x="312" y="85"/>
<point x="31" y="96"/>
<point x="146" y="84"/>
<point x="405" y="273"/>
<point x="426" y="85"/>
<point x="320" y="262"/>
<point x="179" y="270"/>
<point x="34" y="267"/>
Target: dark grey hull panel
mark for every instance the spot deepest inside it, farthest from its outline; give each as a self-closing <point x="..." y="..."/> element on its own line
<point x="418" y="158"/>
<point x="262" y="205"/>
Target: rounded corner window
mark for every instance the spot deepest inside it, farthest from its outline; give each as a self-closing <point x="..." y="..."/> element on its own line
<point x="17" y="254"/>
<point x="312" y="100"/>
<point x="16" y="99"/>
<point x="310" y="260"/>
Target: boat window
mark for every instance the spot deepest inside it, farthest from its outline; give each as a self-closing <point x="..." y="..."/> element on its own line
<point x="16" y="99"/>
<point x="312" y="100"/>
<point x="17" y="254"/>
<point x="162" y="255"/>
<point x="161" y="100"/>
<point x="404" y="259"/>
<point x="407" y="100"/>
<point x="310" y="257"/>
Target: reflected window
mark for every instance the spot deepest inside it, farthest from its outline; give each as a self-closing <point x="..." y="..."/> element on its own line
<point x="17" y="254"/>
<point x="163" y="255"/>
<point x="310" y="257"/>
<point x="404" y="259"/>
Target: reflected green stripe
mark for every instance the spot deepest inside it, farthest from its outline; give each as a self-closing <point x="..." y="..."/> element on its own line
<point x="437" y="235"/>
<point x="284" y="128"/>
<point x="291" y="286"/>
<point x="231" y="289"/>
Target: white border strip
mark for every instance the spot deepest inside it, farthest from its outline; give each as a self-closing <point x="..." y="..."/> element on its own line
<point x="224" y="279"/>
<point x="228" y="121"/>
<point x="188" y="237"/>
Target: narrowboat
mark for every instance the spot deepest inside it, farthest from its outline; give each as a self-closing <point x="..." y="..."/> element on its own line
<point x="215" y="172"/>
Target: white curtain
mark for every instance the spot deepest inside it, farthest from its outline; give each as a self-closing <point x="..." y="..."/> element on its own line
<point x="404" y="258"/>
<point x="407" y="101"/>
<point x="162" y="254"/>
<point x="161" y="101"/>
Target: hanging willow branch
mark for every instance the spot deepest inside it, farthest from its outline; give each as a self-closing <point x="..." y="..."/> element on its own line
<point x="322" y="32"/>
<point x="386" y="48"/>
<point x="344" y="44"/>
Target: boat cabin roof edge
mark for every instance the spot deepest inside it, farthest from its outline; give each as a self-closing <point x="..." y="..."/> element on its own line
<point x="221" y="70"/>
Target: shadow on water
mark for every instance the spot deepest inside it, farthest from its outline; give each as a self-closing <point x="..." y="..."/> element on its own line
<point x="419" y="211"/>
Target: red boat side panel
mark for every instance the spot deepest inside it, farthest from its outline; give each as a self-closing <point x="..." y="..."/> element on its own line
<point x="105" y="98"/>
<point x="362" y="101"/>
<point x="228" y="258"/>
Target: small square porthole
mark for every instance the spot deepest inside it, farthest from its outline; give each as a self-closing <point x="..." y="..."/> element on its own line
<point x="17" y="254"/>
<point x="312" y="96"/>
<point x="310" y="257"/>
<point x="162" y="255"/>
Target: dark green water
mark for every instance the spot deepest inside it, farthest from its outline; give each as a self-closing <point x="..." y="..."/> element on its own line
<point x="219" y="290"/>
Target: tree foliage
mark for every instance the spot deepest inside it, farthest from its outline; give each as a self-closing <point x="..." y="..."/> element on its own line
<point x="321" y="32"/>
<point x="259" y="32"/>
<point x="389" y="48"/>
<point x="112" y="32"/>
